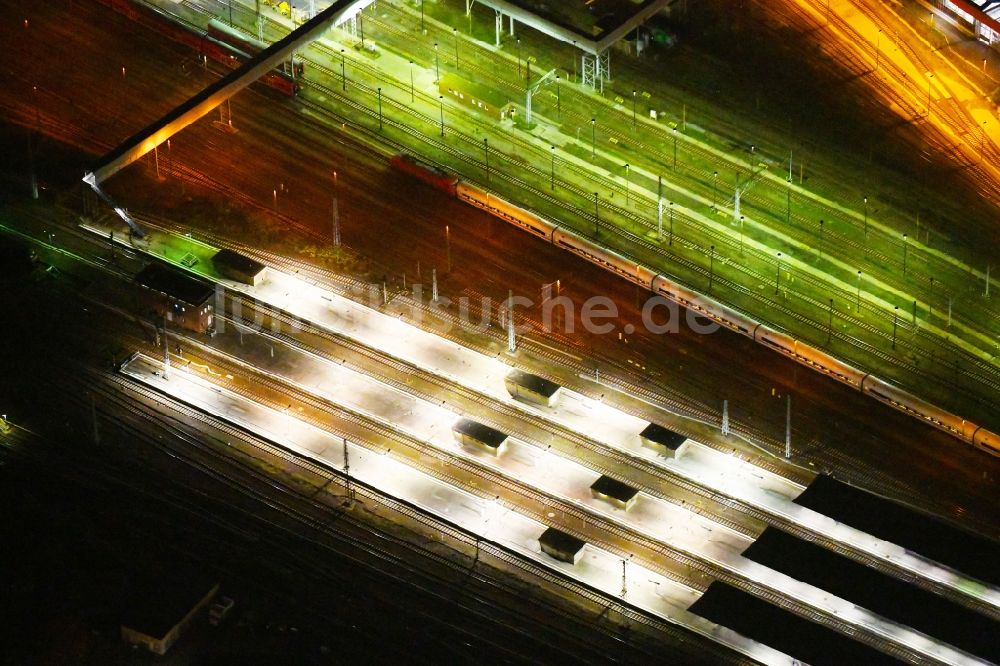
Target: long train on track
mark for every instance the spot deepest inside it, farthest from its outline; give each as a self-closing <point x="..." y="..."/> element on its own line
<point x="218" y="42"/>
<point x="780" y="342"/>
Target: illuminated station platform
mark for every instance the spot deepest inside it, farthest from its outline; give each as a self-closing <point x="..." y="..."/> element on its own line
<point x="590" y="418"/>
<point x="554" y="476"/>
<point x="596" y="567"/>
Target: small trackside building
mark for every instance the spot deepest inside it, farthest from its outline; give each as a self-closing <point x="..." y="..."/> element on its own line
<point x="472" y="433"/>
<point x="238" y="267"/>
<point x="158" y="610"/>
<point x="664" y="441"/>
<point x="185" y="301"/>
<point x="561" y="546"/>
<point x="476" y="96"/>
<point x="532" y="388"/>
<point x="615" y="492"/>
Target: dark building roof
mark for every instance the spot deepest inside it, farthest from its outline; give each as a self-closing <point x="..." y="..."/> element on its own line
<point x="489" y="436"/>
<point x="15" y="256"/>
<point x="533" y="383"/>
<point x="174" y="283"/>
<point x="614" y="488"/>
<point x="560" y="541"/>
<point x="227" y="258"/>
<point x="668" y="438"/>
<point x="157" y="599"/>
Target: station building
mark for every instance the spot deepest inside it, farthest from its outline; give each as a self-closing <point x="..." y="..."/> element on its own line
<point x="161" y="605"/>
<point x="476" y="96"/>
<point x="183" y="300"/>
<point x="238" y="267"/>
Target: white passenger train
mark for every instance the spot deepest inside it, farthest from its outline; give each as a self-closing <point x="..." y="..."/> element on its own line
<point x="735" y="321"/>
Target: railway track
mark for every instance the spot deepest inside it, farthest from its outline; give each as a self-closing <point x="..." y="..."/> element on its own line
<point x="658" y="474"/>
<point x="971" y="363"/>
<point x="708" y="567"/>
<point x="977" y="372"/>
<point x="285" y="501"/>
<point x="929" y="358"/>
<point x="805" y="229"/>
<point x="651" y="547"/>
<point x="650" y="392"/>
<point x="613" y="457"/>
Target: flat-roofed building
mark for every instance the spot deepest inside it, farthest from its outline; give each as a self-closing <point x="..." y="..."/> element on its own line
<point x="614" y="491"/>
<point x="159" y="607"/>
<point x="664" y="441"/>
<point x="532" y="388"/>
<point x="238" y="267"/>
<point x="561" y="546"/>
<point x="476" y="96"/>
<point x="473" y="433"/>
<point x="184" y="300"/>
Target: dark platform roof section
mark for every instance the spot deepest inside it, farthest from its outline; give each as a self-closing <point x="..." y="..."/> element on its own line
<point x="158" y="599"/>
<point x="560" y="545"/>
<point x="882" y="594"/>
<point x="481" y="433"/>
<point x="15" y="257"/>
<point x="614" y="489"/>
<point x="920" y="533"/>
<point x="783" y="630"/>
<point x="533" y="383"/>
<point x="663" y="436"/>
<point x="593" y="27"/>
<point x="175" y="284"/>
<point x="229" y="260"/>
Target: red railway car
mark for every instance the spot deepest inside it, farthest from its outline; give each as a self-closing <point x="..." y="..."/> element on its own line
<point x="249" y="45"/>
<point x="198" y="40"/>
<point x="428" y="173"/>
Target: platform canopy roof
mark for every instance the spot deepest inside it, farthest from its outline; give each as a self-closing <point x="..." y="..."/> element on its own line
<point x="595" y="37"/>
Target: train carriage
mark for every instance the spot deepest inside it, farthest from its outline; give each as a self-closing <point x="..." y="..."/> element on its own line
<point x="780" y="342"/>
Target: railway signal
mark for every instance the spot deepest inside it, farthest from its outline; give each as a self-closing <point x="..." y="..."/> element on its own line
<point x="597" y="217"/>
<point x="552" y="170"/>
<point x="593" y="139"/>
<point x="336" y="213"/>
<point x="343" y="70"/>
<point x="777" y="276"/>
<point x="511" y="338"/>
<point x="711" y="268"/>
<point x="788" y="426"/>
<point x="895" y="322"/>
<point x="675" y="147"/>
<point x="626" y="184"/>
<point x="670" y="243"/>
<point x="659" y="208"/>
